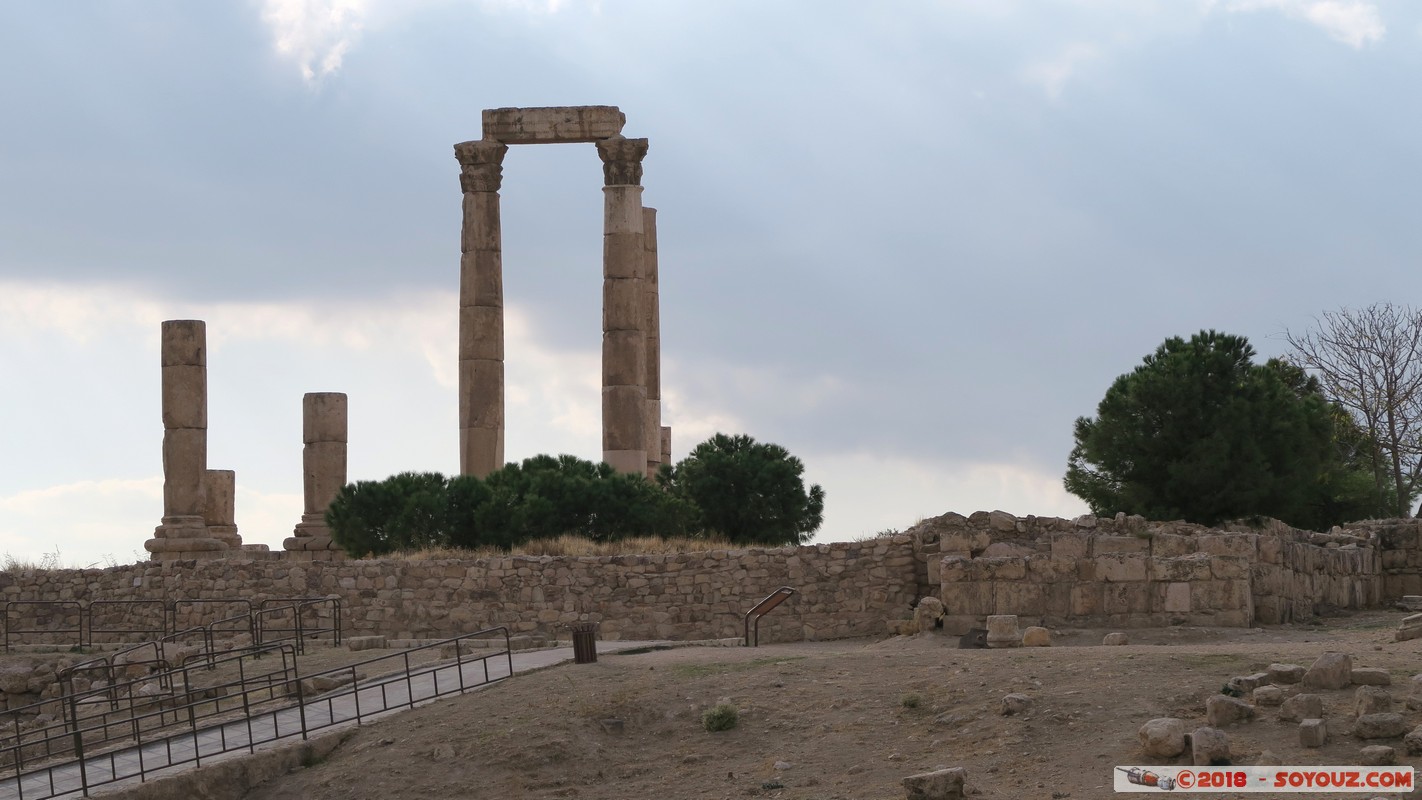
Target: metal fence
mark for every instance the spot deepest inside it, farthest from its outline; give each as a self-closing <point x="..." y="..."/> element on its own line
<point x="131" y="728"/>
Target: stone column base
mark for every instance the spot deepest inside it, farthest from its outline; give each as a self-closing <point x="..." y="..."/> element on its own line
<point x="183" y="538"/>
<point x="227" y="534"/>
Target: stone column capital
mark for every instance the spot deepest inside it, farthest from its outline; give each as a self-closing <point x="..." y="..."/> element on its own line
<point x="622" y="160"/>
<point x="481" y="165"/>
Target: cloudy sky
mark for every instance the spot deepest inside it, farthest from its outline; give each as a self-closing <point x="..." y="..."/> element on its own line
<point x="911" y="242"/>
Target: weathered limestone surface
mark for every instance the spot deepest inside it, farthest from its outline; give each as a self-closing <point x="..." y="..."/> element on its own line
<point x="624" y="344"/>
<point x="220" y="512"/>
<point x="325" y="431"/>
<point x="481" y="309"/>
<point x="676" y="596"/>
<point x="652" y="331"/>
<point x="552" y="125"/>
<point x="183" y="531"/>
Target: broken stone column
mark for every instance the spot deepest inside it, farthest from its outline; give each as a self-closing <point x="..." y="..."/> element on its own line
<point x="182" y="532"/>
<point x="651" y="327"/>
<point x="324" y="431"/>
<point x="666" y="445"/>
<point x="481" y="309"/>
<point x="220" y="507"/>
<point x="624" y="342"/>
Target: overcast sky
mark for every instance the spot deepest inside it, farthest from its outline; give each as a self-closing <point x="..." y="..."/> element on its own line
<point x="911" y="242"/>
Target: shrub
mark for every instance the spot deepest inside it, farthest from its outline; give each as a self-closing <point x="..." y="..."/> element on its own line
<point x="720" y="717"/>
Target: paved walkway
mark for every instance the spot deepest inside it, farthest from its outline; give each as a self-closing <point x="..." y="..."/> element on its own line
<point x="187" y="750"/>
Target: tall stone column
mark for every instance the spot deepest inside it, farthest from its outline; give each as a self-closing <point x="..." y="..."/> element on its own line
<point x="481" y="309"/>
<point x="624" y="343"/>
<point x="220" y="507"/>
<point x="652" y="330"/>
<point x="666" y="445"/>
<point x="324" y="430"/>
<point x="183" y="533"/>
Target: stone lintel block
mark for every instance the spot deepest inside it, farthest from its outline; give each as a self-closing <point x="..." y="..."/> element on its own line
<point x="481" y="450"/>
<point x="481" y="230"/>
<point x="630" y="461"/>
<point x="1121" y="568"/>
<point x="481" y="393"/>
<point x="184" y="342"/>
<point x="481" y="333"/>
<point x="481" y="279"/>
<point x="552" y="124"/>
<point x="1070" y="546"/>
<point x="1106" y="545"/>
<point x="184" y="396"/>
<point x="622" y="212"/>
<point x="622" y="310"/>
<point x="323" y="417"/>
<point x="622" y="358"/>
<point x="622" y="256"/>
<point x="622" y="420"/>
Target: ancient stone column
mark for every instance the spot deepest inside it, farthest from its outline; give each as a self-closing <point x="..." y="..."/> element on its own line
<point x="481" y="309"/>
<point x="624" y="343"/>
<point x="324" y="431"/>
<point x="666" y="445"/>
<point x="183" y="532"/>
<point x="220" y="507"/>
<point x="652" y="331"/>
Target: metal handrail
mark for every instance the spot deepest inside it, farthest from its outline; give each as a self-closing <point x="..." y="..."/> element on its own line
<point x="78" y="630"/>
<point x="188" y="707"/>
<point x="90" y="612"/>
<point x="762" y="608"/>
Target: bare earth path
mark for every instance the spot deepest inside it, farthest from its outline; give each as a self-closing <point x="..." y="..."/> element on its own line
<point x="844" y="719"/>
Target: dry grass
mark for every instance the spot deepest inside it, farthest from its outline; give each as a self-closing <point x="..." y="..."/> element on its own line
<point x="576" y="546"/>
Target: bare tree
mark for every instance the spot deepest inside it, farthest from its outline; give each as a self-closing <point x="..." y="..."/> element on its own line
<point x="1369" y="361"/>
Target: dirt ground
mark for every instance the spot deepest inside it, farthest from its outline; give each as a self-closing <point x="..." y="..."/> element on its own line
<point x="846" y="719"/>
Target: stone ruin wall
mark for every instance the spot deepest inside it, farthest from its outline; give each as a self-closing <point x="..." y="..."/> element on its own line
<point x="1128" y="572"/>
<point x="844" y="590"/>
<point x="1123" y="572"/>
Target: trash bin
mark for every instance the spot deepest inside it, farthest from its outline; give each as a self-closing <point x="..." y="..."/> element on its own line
<point x="584" y="642"/>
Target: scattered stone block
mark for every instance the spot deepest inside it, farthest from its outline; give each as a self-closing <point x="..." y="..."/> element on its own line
<point x="1248" y="683"/>
<point x="1268" y="696"/>
<point x="1409" y="628"/>
<point x="1313" y="733"/>
<point x="356" y="643"/>
<point x="1222" y="711"/>
<point x="1002" y="631"/>
<point x="1371" y="700"/>
<point x="1209" y="747"/>
<point x="1301" y="707"/>
<point x="1267" y="759"/>
<point x="1036" y="636"/>
<point x="1014" y="704"/>
<point x="1163" y="737"/>
<point x="1380" y="726"/>
<point x="1285" y="674"/>
<point x="940" y="784"/>
<point x="1330" y="671"/>
<point x="1377" y="755"/>
<point x="1116" y="639"/>
<point x="1371" y="676"/>
<point x="1412" y="742"/>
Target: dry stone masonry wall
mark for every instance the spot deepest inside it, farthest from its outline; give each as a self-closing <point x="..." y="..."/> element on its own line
<point x="1120" y="572"/>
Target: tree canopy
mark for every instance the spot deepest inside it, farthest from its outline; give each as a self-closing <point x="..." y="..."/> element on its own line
<point x="747" y="491"/>
<point x="1200" y="432"/>
<point x="1369" y="361"/>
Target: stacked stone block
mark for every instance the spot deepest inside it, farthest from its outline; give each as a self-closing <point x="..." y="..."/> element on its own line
<point x="325" y="430"/>
<point x="183" y="532"/>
